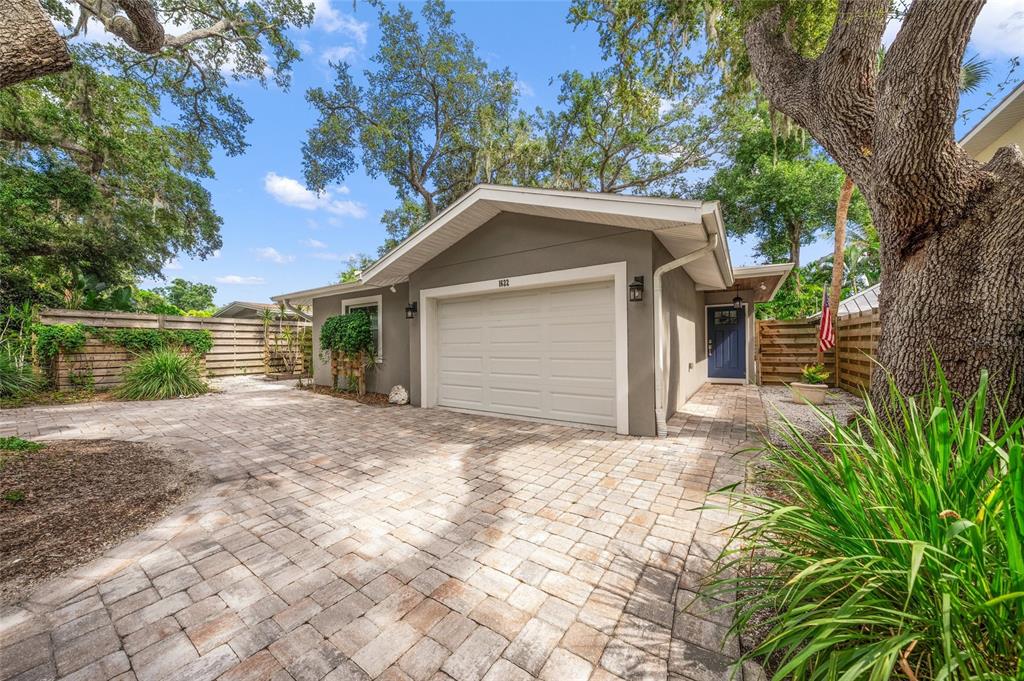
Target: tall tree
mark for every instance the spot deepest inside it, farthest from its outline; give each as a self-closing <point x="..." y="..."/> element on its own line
<point x="614" y="136"/>
<point x="952" y="283"/>
<point x="93" y="187"/>
<point x="417" y="122"/>
<point x="188" y="48"/>
<point x="188" y="295"/>
<point x="777" y="188"/>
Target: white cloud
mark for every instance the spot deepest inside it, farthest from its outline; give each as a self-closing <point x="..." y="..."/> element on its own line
<point x="273" y="255"/>
<point x="525" y="89"/>
<point x="331" y="20"/>
<point x="998" y="31"/>
<point x="238" y="279"/>
<point x="216" y="254"/>
<point x="313" y="243"/>
<point x="324" y="255"/>
<point x="173" y="265"/>
<point x="292" y="193"/>
<point x="338" y="53"/>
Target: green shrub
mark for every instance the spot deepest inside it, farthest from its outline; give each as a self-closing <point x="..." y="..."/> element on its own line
<point x="350" y="334"/>
<point x="52" y="339"/>
<point x="17" y="379"/>
<point x="901" y="550"/>
<point x="17" y="444"/>
<point x="814" y="374"/>
<point x="139" y="341"/>
<point x="162" y="374"/>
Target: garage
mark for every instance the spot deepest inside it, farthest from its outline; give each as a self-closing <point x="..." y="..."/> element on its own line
<point x="545" y="353"/>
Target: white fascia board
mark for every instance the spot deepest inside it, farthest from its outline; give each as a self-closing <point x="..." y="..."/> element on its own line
<point x="714" y="224"/>
<point x="651" y="208"/>
<point x="981" y="126"/>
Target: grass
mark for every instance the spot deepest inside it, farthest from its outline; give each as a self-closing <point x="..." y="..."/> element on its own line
<point x="162" y="374"/>
<point x="17" y="444"/>
<point x="898" y="555"/>
<point x="17" y="379"/>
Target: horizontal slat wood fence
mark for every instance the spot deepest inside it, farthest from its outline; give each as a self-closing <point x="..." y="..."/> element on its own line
<point x="238" y="346"/>
<point x="784" y="347"/>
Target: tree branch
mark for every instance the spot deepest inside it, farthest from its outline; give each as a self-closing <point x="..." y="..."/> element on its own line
<point x="833" y="96"/>
<point x="140" y="28"/>
<point x="29" y="44"/>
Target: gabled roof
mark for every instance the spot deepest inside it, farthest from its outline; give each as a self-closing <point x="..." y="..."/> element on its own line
<point x="996" y="122"/>
<point x="236" y="306"/>
<point x="681" y="226"/>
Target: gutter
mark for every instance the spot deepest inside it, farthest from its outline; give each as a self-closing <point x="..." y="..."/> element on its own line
<point x="660" y="363"/>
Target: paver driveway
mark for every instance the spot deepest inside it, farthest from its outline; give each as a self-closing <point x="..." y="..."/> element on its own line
<point x="341" y="541"/>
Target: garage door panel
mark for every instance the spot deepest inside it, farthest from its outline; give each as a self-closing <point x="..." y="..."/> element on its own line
<point x="547" y="353"/>
<point x="595" y="369"/>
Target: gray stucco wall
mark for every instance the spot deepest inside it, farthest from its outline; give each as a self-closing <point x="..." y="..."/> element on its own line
<point x="725" y="298"/>
<point x="394" y="369"/>
<point x="684" y="320"/>
<point x="514" y="245"/>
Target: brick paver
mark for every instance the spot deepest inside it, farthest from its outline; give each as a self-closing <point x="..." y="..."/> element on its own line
<point x="338" y="541"/>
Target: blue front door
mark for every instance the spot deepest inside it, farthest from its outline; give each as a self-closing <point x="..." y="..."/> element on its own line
<point x="727" y="342"/>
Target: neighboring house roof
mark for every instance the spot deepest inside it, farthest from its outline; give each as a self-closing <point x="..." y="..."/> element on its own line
<point x="236" y="307"/>
<point x="865" y="301"/>
<point x="996" y="123"/>
<point x="681" y="226"/>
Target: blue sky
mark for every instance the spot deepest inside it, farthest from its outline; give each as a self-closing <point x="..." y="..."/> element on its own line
<point x="279" y="237"/>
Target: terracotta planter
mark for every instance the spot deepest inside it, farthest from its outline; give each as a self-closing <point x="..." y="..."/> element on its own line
<point x="813" y="393"/>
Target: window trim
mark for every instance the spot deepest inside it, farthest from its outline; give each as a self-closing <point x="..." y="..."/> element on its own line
<point x="349" y="304"/>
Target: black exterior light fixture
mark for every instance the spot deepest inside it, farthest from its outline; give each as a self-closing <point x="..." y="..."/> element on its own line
<point x="737" y="302"/>
<point x="410" y="310"/>
<point x="636" y="290"/>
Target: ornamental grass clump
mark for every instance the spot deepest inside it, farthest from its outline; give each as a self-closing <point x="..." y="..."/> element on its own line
<point x="898" y="554"/>
<point x="162" y="374"/>
<point x="17" y="378"/>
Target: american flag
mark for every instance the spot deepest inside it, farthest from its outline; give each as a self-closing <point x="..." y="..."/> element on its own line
<point x="826" y="334"/>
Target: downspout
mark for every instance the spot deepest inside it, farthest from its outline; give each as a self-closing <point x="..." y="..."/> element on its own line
<point x="660" y="388"/>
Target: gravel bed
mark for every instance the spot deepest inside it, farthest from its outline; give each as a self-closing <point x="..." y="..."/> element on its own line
<point x="779" y="402"/>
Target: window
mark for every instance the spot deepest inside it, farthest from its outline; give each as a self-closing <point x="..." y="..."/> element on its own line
<point x="726" y="317"/>
<point x="372" y="306"/>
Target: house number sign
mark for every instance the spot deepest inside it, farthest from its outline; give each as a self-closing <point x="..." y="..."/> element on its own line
<point x="503" y="283"/>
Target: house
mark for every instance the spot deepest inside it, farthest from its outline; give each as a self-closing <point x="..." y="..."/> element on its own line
<point x="1002" y="126"/>
<point x="600" y="309"/>
<point x="861" y="302"/>
<point x="240" y="309"/>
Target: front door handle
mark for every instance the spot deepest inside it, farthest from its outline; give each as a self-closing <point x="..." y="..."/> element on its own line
<point x="709" y="347"/>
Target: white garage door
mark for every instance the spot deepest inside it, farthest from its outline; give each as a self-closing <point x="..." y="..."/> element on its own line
<point x="546" y="353"/>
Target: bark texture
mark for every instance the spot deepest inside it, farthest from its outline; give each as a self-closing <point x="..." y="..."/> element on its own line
<point x="952" y="260"/>
<point x="29" y="44"/>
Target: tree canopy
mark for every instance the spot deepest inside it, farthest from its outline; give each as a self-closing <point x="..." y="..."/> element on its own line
<point x="777" y="188"/>
<point x="94" y="186"/>
<point x="418" y="120"/>
<point x="188" y="295"/>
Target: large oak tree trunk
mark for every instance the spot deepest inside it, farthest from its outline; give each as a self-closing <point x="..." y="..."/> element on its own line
<point x="950" y="228"/>
<point x="29" y="44"/>
<point x="960" y="294"/>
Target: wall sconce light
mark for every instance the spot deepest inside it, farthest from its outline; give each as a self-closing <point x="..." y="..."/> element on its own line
<point x="737" y="302"/>
<point x="410" y="310"/>
<point x="636" y="290"/>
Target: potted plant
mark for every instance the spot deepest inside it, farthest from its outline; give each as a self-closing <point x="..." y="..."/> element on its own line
<point x="812" y="387"/>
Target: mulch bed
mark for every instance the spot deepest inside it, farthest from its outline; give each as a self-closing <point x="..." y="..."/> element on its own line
<point x="64" y="504"/>
<point x="370" y="399"/>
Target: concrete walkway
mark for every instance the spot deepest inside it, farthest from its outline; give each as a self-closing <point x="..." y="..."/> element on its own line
<point x="340" y="541"/>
